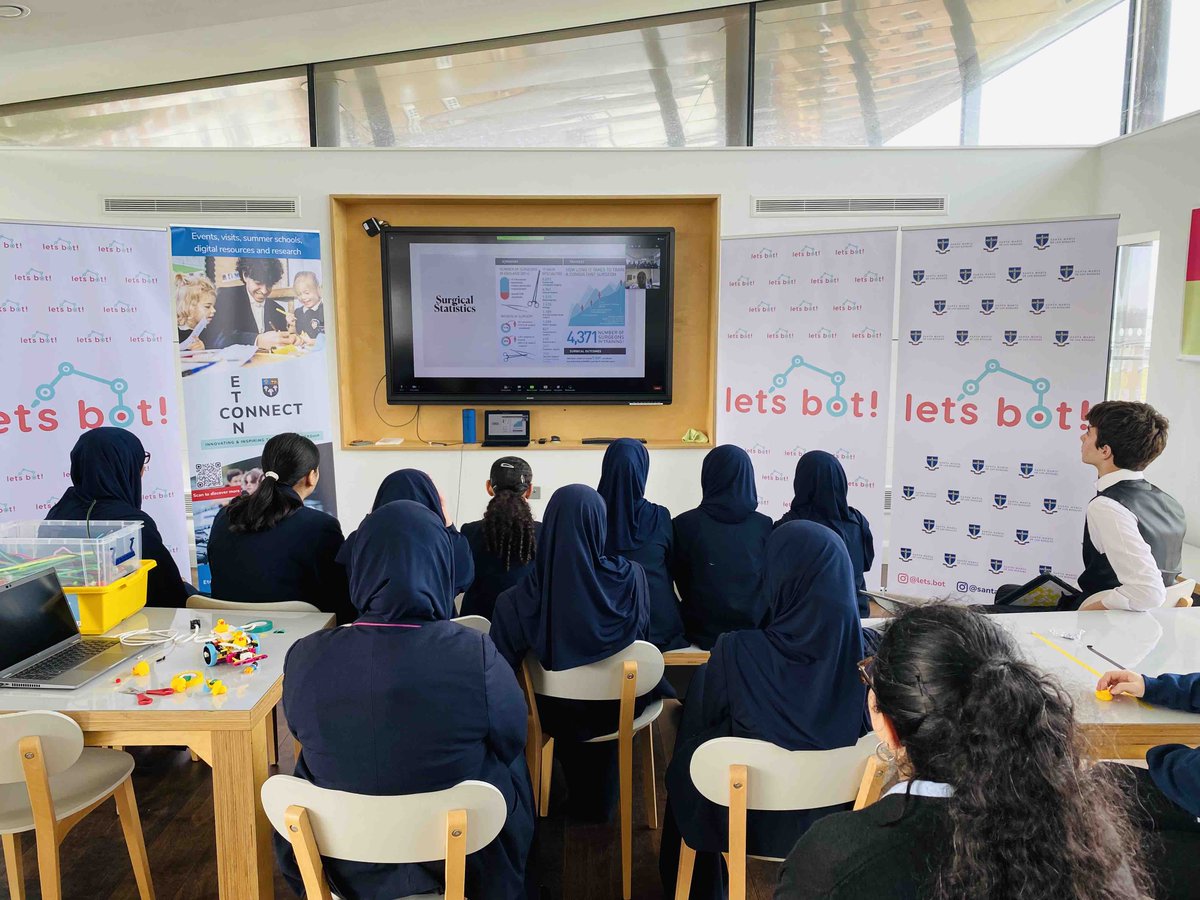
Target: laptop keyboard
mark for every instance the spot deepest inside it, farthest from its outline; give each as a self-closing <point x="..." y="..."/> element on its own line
<point x="64" y="660"/>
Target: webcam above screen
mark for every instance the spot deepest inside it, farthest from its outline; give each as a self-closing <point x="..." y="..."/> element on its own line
<point x="555" y="315"/>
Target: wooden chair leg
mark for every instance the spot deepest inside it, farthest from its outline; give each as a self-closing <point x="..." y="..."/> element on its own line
<point x="308" y="857"/>
<point x="13" y="867"/>
<point x="456" y="854"/>
<point x="649" y="791"/>
<point x="625" y="760"/>
<point x="736" y="860"/>
<point x="683" y="878"/>
<point x="545" y="770"/>
<point x="131" y="824"/>
<point x="37" y="782"/>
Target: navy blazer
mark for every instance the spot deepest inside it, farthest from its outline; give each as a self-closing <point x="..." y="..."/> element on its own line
<point x="1175" y="768"/>
<point x="233" y="322"/>
<point x="295" y="560"/>
<point x="398" y="709"/>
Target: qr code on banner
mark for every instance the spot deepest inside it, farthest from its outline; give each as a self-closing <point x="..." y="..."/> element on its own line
<point x="208" y="475"/>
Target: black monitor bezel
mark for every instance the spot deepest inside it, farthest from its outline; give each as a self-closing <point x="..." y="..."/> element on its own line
<point x="464" y="391"/>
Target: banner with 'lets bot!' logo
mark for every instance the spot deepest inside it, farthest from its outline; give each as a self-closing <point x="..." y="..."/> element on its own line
<point x="86" y="342"/>
<point x="804" y="354"/>
<point x="1003" y="346"/>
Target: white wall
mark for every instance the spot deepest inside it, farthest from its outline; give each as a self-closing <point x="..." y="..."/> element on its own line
<point x="1153" y="181"/>
<point x="983" y="185"/>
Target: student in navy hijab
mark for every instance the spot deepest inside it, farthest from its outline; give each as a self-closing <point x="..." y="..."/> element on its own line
<point x="577" y="606"/>
<point x="641" y="531"/>
<point x="415" y="485"/>
<point x="719" y="549"/>
<point x="821" y="493"/>
<point x="106" y="485"/>
<point x="794" y="683"/>
<point x="405" y="702"/>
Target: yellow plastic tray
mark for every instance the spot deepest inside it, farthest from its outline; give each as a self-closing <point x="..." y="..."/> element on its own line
<point x="102" y="608"/>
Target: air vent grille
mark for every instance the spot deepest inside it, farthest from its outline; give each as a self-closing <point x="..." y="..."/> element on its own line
<point x="275" y="207"/>
<point x="848" y="206"/>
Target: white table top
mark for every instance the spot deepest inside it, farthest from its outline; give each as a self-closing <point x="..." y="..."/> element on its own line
<point x="103" y="694"/>
<point x="1152" y="643"/>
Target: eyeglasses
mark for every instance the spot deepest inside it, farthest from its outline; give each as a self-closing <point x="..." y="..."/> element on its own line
<point x="146" y="460"/>
<point x="864" y="671"/>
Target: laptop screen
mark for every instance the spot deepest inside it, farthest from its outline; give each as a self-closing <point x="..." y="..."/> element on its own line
<point x="34" y="616"/>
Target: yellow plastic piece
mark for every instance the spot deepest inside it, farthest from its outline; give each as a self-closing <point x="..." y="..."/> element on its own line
<point x="217" y="687"/>
<point x="221" y="625"/>
<point x="185" y="680"/>
<point x="104" y="607"/>
<point x="239" y="639"/>
<point x="249" y="670"/>
<point x="142" y="668"/>
<point x="1104" y="695"/>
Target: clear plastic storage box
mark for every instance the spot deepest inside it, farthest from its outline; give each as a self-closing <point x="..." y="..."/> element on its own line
<point x="85" y="554"/>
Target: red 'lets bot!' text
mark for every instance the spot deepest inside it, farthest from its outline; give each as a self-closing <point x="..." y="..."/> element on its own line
<point x="762" y="403"/>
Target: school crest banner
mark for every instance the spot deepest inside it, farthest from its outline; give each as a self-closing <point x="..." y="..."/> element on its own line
<point x="1003" y="347"/>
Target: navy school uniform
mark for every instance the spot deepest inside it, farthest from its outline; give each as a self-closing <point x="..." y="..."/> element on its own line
<point x="575" y="607"/>
<point x="310" y="322"/>
<point x="491" y="577"/>
<point x="403" y="702"/>
<point x="821" y="496"/>
<point x="295" y="560"/>
<point x="641" y="532"/>
<point x="415" y="485"/>
<point x="106" y="486"/>
<point x="718" y="551"/>
<point x="794" y="683"/>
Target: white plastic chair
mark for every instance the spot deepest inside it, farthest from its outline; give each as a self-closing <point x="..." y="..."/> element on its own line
<point x="475" y="623"/>
<point x="48" y="783"/>
<point x="1180" y="593"/>
<point x="624" y="676"/>
<point x="745" y="774"/>
<point x="199" y="601"/>
<point x="411" y="828"/>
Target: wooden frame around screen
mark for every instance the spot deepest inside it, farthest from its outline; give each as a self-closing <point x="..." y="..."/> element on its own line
<point x="365" y="414"/>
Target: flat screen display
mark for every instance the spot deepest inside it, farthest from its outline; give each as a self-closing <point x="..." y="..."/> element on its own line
<point x="546" y="316"/>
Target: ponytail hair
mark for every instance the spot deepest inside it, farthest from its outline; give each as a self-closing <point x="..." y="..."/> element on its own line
<point x="1028" y="817"/>
<point x="508" y="522"/>
<point x="286" y="459"/>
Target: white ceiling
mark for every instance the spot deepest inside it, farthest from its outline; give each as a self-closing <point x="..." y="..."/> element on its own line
<point x="67" y="47"/>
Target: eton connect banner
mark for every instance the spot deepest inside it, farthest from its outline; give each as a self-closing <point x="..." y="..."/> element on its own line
<point x="804" y="359"/>
<point x="1004" y="333"/>
<point x="87" y="342"/>
<point x="250" y="315"/>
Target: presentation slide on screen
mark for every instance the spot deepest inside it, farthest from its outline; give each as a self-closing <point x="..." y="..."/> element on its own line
<point x="534" y="310"/>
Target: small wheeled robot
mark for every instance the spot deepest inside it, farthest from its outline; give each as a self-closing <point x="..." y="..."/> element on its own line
<point x="231" y="647"/>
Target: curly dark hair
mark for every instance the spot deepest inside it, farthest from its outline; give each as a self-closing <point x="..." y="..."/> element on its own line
<point x="1135" y="432"/>
<point x="508" y="531"/>
<point x="266" y="269"/>
<point x="1029" y="818"/>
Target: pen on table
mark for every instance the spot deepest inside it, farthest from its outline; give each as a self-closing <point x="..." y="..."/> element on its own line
<point x="1108" y="659"/>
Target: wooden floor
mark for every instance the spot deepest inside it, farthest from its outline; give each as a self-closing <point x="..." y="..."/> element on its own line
<point x="576" y="862"/>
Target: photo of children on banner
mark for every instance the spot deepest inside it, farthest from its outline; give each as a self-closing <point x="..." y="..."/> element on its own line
<point x="253" y="307"/>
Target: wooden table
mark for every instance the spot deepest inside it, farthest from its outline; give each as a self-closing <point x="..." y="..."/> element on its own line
<point x="230" y="732"/>
<point x="1154" y="642"/>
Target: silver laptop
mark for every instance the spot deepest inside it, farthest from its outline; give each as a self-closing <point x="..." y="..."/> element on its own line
<point x="40" y="644"/>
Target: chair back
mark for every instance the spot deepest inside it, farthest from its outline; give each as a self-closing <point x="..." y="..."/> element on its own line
<point x="779" y="779"/>
<point x="475" y="623"/>
<point x="1180" y="593"/>
<point x="599" y="680"/>
<point x="199" y="601"/>
<point x="409" y="828"/>
<point x="62" y="742"/>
